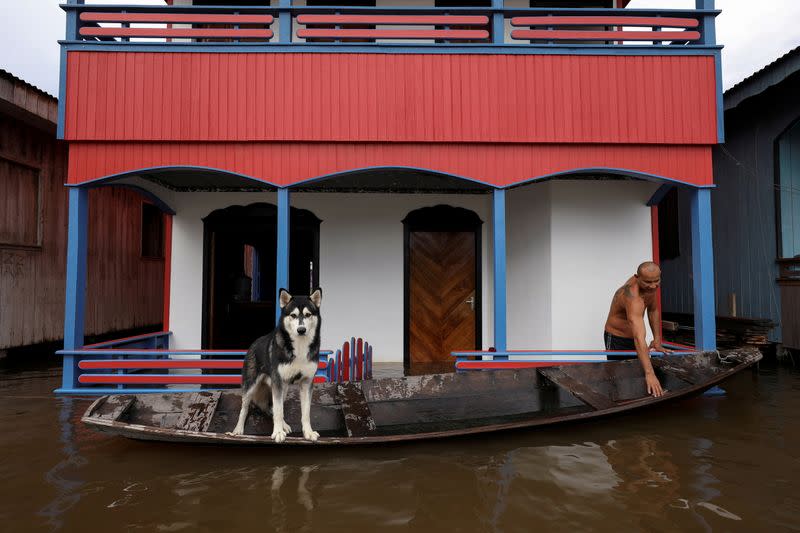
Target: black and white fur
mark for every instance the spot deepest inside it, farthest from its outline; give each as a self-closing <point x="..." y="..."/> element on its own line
<point x="289" y="354"/>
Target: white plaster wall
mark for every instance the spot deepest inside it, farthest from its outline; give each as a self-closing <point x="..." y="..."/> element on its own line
<point x="186" y="277"/>
<point x="361" y="262"/>
<point x="600" y="233"/>
<point x="528" y="212"/>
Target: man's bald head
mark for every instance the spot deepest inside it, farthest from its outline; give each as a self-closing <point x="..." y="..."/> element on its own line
<point x="648" y="276"/>
<point x="648" y="269"/>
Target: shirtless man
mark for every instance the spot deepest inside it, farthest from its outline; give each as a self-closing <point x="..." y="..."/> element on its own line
<point x="625" y="324"/>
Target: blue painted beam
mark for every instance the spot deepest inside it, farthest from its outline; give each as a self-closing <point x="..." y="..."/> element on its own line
<point x="498" y="22"/>
<point x="395" y="48"/>
<point x="659" y="195"/>
<point x="703" y="271"/>
<point x="75" y="305"/>
<point x="282" y="266"/>
<point x="285" y="22"/>
<point x="70" y="34"/>
<point x="708" y="32"/>
<point x="499" y="229"/>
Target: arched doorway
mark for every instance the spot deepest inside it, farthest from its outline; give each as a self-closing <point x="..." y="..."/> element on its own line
<point x="239" y="256"/>
<point x="442" y="311"/>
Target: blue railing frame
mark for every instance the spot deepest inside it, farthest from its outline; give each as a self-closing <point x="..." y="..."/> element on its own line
<point x="149" y="346"/>
<point x="497" y="14"/>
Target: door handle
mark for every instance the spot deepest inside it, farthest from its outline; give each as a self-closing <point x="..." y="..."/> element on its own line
<point x="471" y="302"/>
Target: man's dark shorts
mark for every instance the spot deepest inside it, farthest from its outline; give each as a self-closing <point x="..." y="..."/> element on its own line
<point x="614" y="343"/>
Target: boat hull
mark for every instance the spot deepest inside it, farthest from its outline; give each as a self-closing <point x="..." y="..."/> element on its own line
<point x="422" y="407"/>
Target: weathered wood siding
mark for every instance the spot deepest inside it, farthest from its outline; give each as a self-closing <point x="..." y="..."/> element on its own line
<point x="124" y="291"/>
<point x="745" y="234"/>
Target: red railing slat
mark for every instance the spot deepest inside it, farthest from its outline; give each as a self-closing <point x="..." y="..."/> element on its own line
<point x="562" y="35"/>
<point x="148" y="364"/>
<point x="668" y="22"/>
<point x="163" y="379"/>
<point x="177" y="18"/>
<point x="176" y="32"/>
<point x="443" y="20"/>
<point x="160" y="363"/>
<point x="505" y="365"/>
<point x="392" y="34"/>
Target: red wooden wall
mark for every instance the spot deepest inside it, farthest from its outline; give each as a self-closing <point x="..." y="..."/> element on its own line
<point x="288" y="163"/>
<point x="391" y="97"/>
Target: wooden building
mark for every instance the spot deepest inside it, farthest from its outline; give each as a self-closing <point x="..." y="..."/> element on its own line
<point x="446" y="171"/>
<point x="756" y="207"/>
<point x="125" y="285"/>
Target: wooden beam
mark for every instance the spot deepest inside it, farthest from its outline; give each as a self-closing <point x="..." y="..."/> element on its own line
<point x="582" y="391"/>
<point x="357" y="415"/>
<point x="199" y="411"/>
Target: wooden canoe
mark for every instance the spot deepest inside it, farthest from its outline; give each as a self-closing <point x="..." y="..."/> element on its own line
<point x="422" y="407"/>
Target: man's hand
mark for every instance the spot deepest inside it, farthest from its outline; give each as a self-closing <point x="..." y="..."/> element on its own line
<point x="653" y="385"/>
<point x="657" y="347"/>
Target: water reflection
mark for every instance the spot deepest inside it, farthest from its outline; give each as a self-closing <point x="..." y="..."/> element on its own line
<point x="61" y="475"/>
<point x="723" y="464"/>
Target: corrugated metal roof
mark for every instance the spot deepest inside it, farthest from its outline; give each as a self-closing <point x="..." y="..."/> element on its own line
<point x="27" y="102"/>
<point x="10" y="77"/>
<point x="764" y="78"/>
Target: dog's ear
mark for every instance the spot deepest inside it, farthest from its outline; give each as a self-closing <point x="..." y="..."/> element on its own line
<point x="284" y="298"/>
<point x="316" y="297"/>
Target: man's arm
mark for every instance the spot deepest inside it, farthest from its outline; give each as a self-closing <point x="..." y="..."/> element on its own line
<point x="634" y="308"/>
<point x="654" y="317"/>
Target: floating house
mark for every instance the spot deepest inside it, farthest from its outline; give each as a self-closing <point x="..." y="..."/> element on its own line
<point x="756" y="215"/>
<point x="124" y="255"/>
<point x="455" y="175"/>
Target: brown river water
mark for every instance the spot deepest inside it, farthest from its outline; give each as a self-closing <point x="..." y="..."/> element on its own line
<point x="729" y="463"/>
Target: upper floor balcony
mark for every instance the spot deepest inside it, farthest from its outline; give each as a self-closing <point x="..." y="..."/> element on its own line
<point x="557" y="88"/>
<point x="427" y="25"/>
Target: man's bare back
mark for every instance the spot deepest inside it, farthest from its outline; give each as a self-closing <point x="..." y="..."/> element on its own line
<point x="624" y="329"/>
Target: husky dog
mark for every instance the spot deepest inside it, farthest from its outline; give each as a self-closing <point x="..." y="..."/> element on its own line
<point x="289" y="354"/>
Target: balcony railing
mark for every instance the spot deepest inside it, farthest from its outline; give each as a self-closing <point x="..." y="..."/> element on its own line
<point x="337" y="25"/>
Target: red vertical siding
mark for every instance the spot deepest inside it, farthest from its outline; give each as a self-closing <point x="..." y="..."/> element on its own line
<point x="288" y="163"/>
<point x="391" y="97"/>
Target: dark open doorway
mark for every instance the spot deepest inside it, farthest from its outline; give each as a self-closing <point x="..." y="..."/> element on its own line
<point x="239" y="257"/>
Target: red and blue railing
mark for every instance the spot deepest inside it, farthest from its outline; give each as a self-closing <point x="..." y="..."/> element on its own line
<point x="249" y="25"/>
<point x="144" y="364"/>
<point x="352" y="363"/>
<point x="512" y="359"/>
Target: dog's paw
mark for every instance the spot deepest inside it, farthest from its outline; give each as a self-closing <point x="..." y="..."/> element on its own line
<point x="287" y="428"/>
<point x="279" y="436"/>
<point x="235" y="433"/>
<point x="310" y="434"/>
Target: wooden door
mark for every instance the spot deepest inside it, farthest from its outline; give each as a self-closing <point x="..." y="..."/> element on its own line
<point x="442" y="299"/>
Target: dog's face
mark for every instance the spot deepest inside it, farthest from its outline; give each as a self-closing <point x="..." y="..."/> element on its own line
<point x="300" y="314"/>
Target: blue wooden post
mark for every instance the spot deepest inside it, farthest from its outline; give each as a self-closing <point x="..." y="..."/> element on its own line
<point x="282" y="267"/>
<point x="708" y="35"/>
<point x="285" y="23"/>
<point x="705" y="333"/>
<point x="499" y="228"/>
<point x="70" y="34"/>
<point x="498" y="23"/>
<point x="74" y="308"/>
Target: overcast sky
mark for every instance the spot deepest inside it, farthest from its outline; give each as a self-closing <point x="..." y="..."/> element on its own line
<point x="754" y="33"/>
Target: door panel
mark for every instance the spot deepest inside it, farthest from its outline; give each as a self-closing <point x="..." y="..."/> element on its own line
<point x="442" y="279"/>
